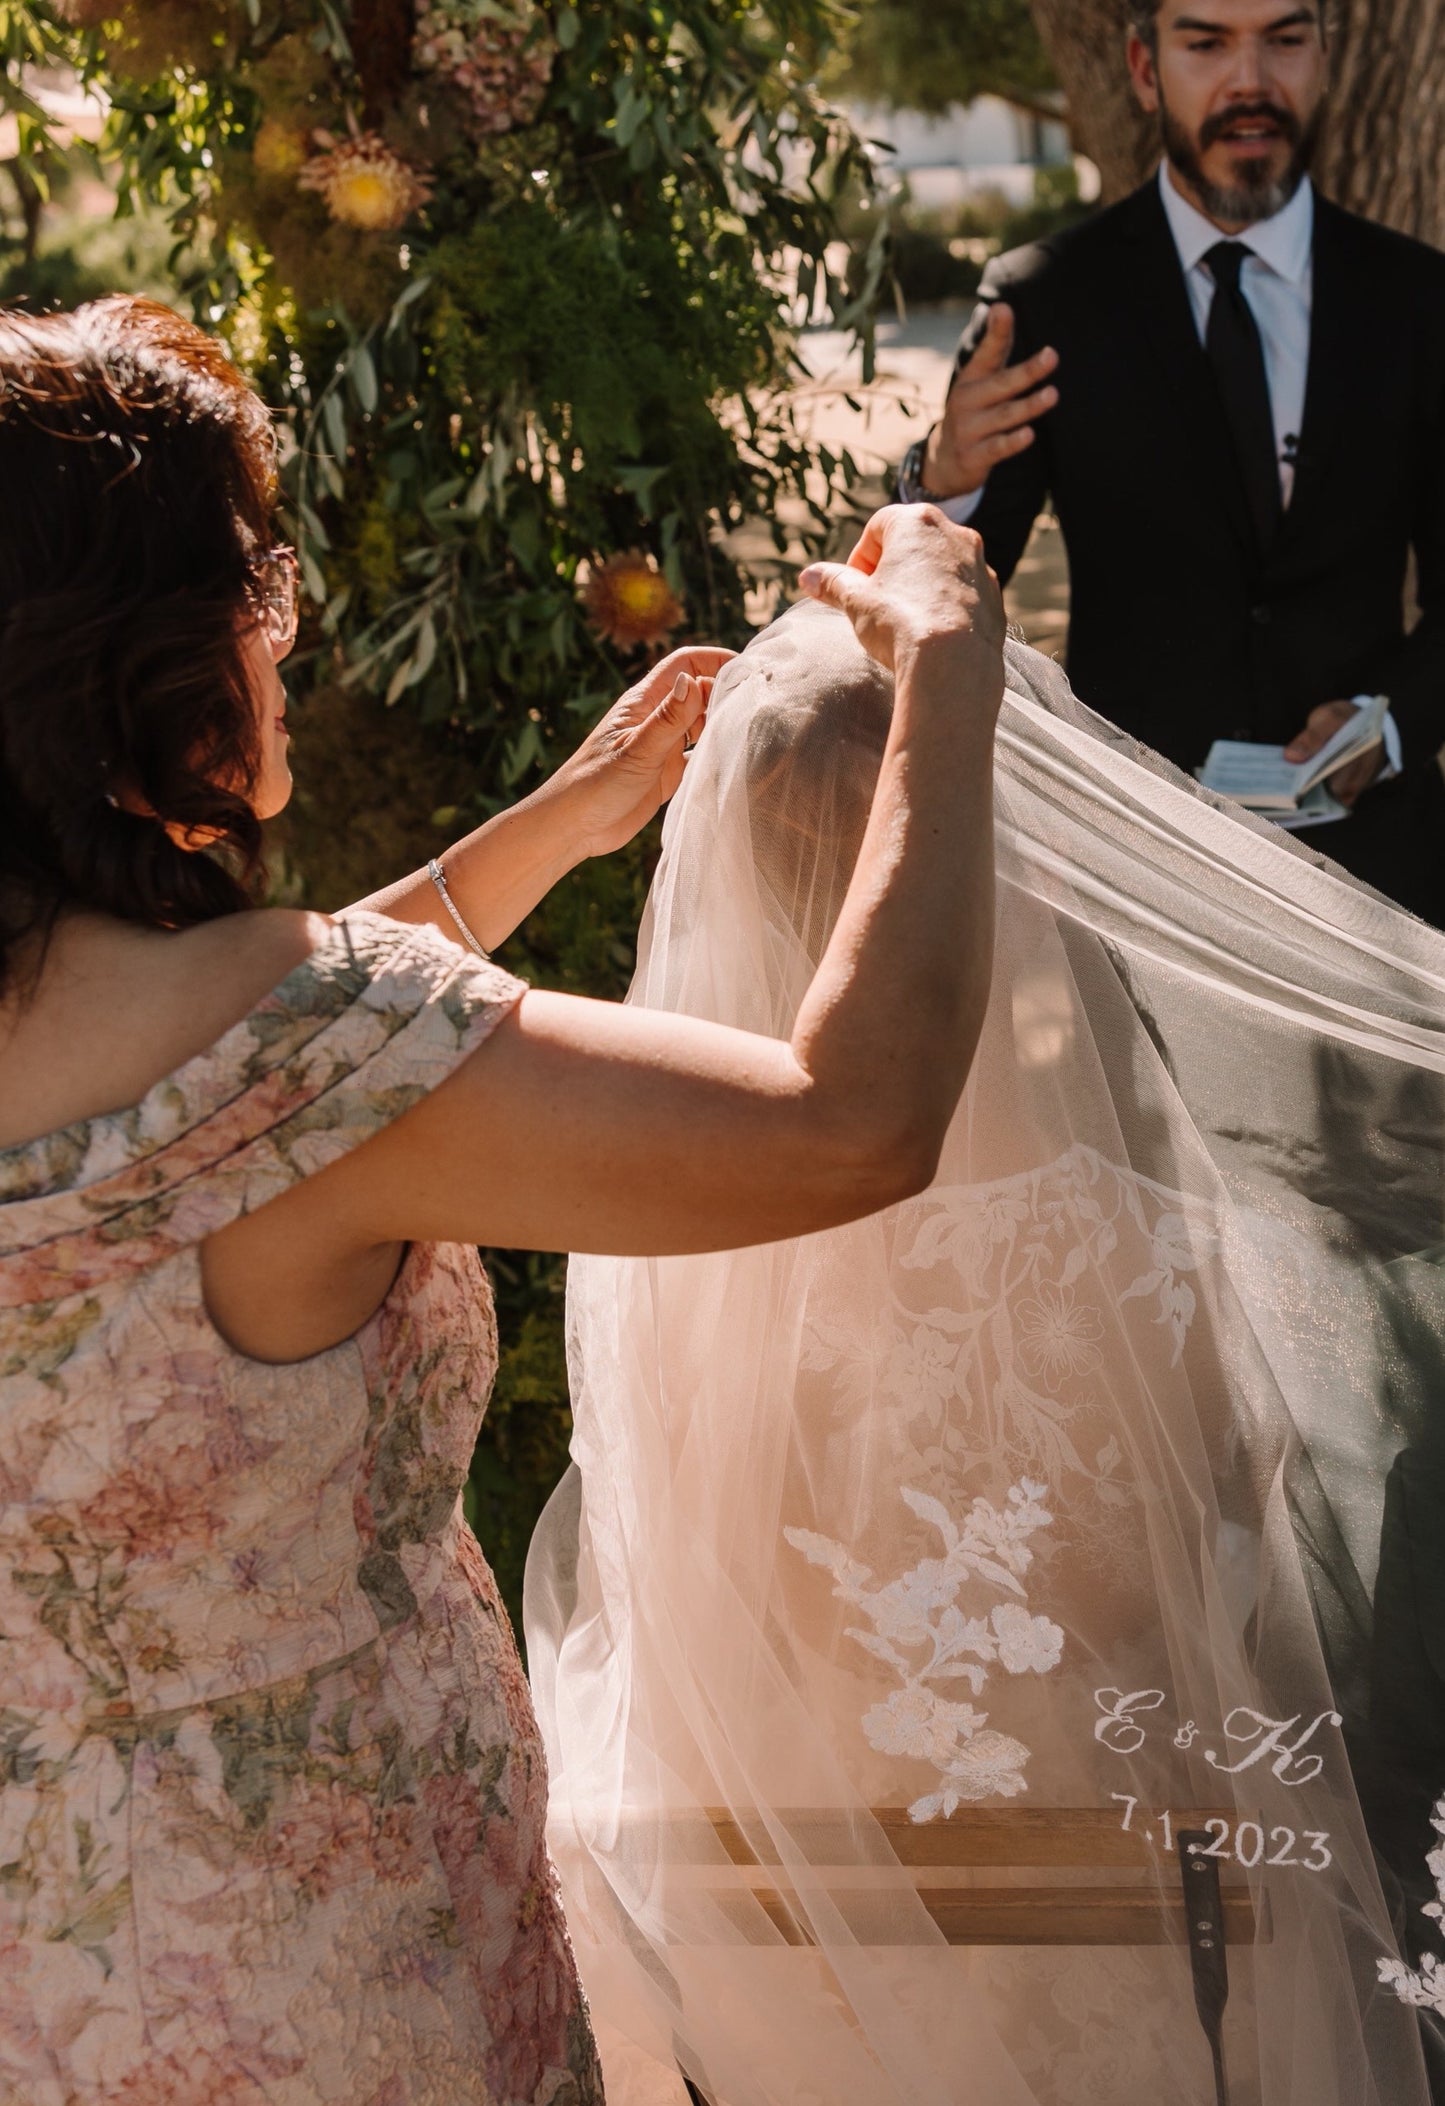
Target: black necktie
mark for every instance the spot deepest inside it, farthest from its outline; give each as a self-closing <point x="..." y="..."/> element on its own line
<point x="1237" y="356"/>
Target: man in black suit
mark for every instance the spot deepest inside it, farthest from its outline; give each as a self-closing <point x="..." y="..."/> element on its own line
<point x="1234" y="393"/>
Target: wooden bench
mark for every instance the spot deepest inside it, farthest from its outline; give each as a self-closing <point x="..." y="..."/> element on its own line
<point x="1181" y="1902"/>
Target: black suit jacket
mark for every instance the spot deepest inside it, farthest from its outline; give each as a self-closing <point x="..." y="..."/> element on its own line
<point x="1181" y="630"/>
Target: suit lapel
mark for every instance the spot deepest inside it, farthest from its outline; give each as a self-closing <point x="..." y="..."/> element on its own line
<point x="1337" y="324"/>
<point x="1155" y="287"/>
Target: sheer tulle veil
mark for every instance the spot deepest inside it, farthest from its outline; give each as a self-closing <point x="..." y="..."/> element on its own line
<point x="916" y="1585"/>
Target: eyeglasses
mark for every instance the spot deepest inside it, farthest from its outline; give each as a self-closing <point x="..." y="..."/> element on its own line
<point x="275" y="597"/>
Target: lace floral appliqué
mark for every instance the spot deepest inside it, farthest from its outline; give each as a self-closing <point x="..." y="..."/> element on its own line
<point x="1426" y="1989"/>
<point x="922" y="1630"/>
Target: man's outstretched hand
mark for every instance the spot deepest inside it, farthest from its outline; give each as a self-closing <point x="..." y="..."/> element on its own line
<point x="1350" y="782"/>
<point x="990" y="411"/>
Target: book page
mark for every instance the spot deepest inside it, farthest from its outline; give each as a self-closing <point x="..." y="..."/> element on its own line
<point x="1257" y="775"/>
<point x="1262" y="778"/>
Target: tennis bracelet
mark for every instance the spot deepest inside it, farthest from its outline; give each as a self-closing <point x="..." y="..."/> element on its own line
<point x="438" y="877"/>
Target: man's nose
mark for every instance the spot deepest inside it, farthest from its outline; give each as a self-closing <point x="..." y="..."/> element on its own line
<point x="1249" y="75"/>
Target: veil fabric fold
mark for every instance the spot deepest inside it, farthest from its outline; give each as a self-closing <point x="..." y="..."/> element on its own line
<point x="917" y="1583"/>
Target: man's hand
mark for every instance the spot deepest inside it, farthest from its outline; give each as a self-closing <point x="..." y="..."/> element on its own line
<point x="990" y="411"/>
<point x="1351" y="781"/>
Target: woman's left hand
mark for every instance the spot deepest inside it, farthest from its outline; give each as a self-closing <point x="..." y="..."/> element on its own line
<point x="630" y="764"/>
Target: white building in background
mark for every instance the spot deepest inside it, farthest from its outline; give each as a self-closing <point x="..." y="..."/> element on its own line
<point x="986" y="145"/>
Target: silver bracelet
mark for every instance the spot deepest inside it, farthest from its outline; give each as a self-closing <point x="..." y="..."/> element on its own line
<point x="438" y="877"/>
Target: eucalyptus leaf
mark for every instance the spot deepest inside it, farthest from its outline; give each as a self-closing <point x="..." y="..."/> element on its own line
<point x="399" y="682"/>
<point x="406" y="298"/>
<point x="312" y="527"/>
<point x="362" y="372"/>
<point x="437" y="499"/>
<point x="313" y="576"/>
<point x="334" y="415"/>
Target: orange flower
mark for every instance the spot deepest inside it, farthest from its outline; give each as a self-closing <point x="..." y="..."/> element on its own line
<point x="365" y="182"/>
<point x="629" y="601"/>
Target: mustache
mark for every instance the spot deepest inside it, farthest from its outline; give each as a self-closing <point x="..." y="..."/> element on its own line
<point x="1216" y="127"/>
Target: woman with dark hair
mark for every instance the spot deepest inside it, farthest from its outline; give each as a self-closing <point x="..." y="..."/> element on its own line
<point x="273" y="1797"/>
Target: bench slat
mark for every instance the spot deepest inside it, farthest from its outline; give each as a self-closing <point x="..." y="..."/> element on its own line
<point x="1059" y="1836"/>
<point x="1001" y="1915"/>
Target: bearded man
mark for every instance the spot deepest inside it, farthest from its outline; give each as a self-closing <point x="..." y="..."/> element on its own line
<point x="1234" y="394"/>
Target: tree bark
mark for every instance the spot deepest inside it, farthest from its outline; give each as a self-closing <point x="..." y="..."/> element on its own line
<point x="32" y="206"/>
<point x="1383" y="153"/>
<point x="1085" y="43"/>
<point x="1383" y="150"/>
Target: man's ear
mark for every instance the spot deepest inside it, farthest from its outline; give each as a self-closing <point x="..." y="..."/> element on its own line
<point x="1142" y="59"/>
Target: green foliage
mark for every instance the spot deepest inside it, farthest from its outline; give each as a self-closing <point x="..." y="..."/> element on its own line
<point x="581" y="344"/>
<point x="939" y="254"/>
<point x="523" y="1448"/>
<point x="916" y="57"/>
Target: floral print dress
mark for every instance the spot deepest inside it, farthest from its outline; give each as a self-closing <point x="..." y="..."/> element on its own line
<point x="271" y="1790"/>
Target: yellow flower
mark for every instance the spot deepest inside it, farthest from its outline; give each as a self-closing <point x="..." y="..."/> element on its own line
<point x="629" y="601"/>
<point x="277" y="150"/>
<point x="364" y="182"/>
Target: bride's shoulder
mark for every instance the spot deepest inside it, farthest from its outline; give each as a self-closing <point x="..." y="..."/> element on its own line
<point x="116" y="1008"/>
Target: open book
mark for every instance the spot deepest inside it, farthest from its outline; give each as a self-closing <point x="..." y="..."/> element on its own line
<point x="1291" y="792"/>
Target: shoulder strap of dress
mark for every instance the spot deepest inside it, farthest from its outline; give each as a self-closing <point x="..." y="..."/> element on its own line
<point x="377" y="1016"/>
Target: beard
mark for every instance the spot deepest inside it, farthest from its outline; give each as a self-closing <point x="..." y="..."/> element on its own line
<point x="1255" y="193"/>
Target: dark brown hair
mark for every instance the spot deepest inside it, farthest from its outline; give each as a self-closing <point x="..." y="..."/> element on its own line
<point x="137" y="481"/>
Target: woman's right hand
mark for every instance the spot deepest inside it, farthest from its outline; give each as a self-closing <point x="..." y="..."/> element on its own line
<point x="915" y="580"/>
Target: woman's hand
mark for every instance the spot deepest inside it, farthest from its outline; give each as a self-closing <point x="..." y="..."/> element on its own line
<point x="914" y="580"/>
<point x="629" y="766"/>
<point x="595" y="802"/>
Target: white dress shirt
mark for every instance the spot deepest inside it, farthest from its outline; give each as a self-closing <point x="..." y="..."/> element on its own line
<point x="1277" y="279"/>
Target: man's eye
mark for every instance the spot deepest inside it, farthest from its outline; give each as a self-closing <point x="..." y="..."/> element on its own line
<point x="1204" y="44"/>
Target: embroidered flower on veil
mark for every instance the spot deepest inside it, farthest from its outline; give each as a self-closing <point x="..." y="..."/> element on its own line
<point x="917" y="1721"/>
<point x="1425" y="1990"/>
<point x="1026" y="1644"/>
<point x="1058" y="1336"/>
<point x="989" y="1550"/>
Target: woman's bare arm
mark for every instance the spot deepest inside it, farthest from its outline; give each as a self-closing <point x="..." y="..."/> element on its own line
<point x="585" y="1126"/>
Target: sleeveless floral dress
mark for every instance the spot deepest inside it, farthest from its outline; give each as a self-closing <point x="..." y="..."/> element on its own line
<point x="271" y="1790"/>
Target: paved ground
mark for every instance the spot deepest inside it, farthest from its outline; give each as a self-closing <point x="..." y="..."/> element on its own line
<point x="878" y="423"/>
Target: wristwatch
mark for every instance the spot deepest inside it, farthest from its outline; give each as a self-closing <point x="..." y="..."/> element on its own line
<point x="912" y="489"/>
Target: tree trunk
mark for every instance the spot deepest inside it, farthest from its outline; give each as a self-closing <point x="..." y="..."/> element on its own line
<point x="32" y="206"/>
<point x="1384" y="149"/>
<point x="1085" y="43"/>
<point x="1383" y="153"/>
